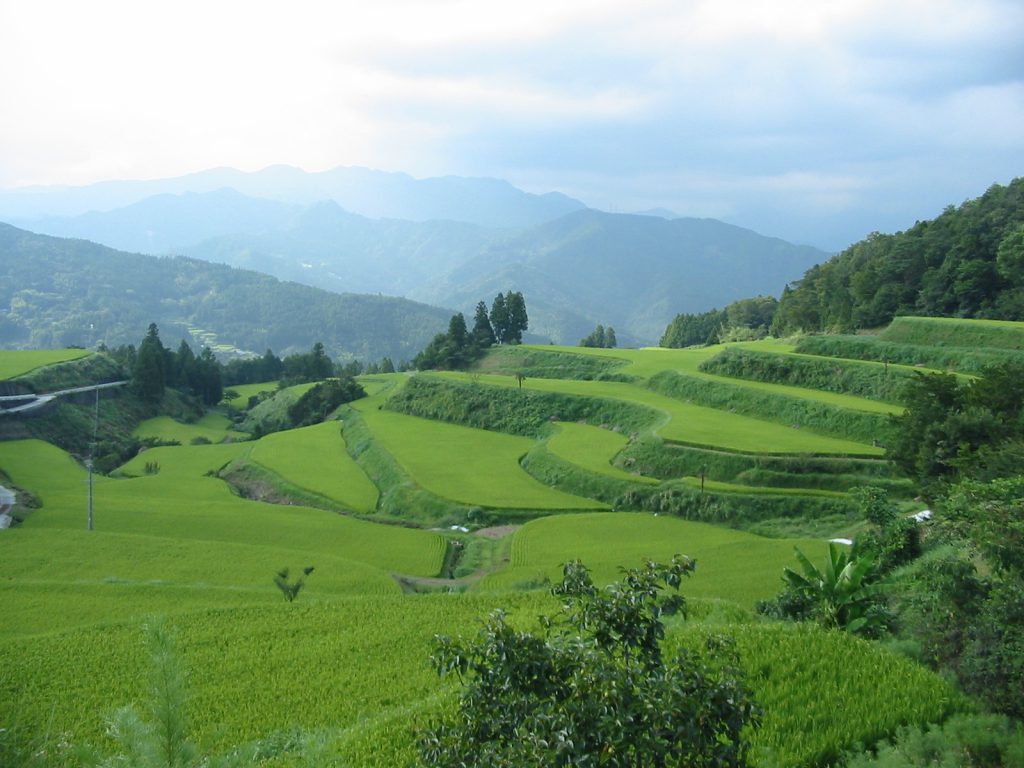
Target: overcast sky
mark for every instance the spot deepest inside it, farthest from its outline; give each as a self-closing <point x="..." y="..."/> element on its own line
<point x="817" y="121"/>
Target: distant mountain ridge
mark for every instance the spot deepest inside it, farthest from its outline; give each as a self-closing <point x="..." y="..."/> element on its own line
<point x="371" y="193"/>
<point x="58" y="292"/>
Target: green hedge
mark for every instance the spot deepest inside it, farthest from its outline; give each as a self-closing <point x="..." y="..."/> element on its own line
<point x="654" y="457"/>
<point x="512" y="410"/>
<point x="860" y="379"/>
<point x="679" y="499"/>
<point x="965" y="360"/>
<point x="819" y="417"/>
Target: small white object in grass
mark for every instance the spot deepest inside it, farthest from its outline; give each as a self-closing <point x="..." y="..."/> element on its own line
<point x="847" y="542"/>
<point x="920" y="517"/>
<point x="461" y="528"/>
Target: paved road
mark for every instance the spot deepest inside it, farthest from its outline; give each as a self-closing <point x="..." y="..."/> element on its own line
<point x="38" y="401"/>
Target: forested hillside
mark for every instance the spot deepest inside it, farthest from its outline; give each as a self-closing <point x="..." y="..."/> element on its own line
<point x="968" y="262"/>
<point x="55" y="293"/>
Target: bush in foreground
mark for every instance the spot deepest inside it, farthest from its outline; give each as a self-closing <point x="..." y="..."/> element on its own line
<point x="593" y="688"/>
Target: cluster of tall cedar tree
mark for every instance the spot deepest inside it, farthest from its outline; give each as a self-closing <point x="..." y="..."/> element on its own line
<point x="600" y="337"/>
<point x="155" y="368"/>
<point x="460" y="346"/>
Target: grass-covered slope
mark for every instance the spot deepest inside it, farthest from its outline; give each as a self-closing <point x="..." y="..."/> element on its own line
<point x="15" y="364"/>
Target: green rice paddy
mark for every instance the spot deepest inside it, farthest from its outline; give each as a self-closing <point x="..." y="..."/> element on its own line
<point x="242" y="393"/>
<point x="18" y="362"/>
<point x="213" y="427"/>
<point x="592" y="448"/>
<point x="314" y="458"/>
<point x="732" y="565"/>
<point x="472" y="466"/>
<point x="694" y="424"/>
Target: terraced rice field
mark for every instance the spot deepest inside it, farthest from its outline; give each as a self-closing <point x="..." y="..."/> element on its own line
<point x="592" y="448"/>
<point x="695" y="424"/>
<point x="213" y="427"/>
<point x="731" y="564"/>
<point x="465" y="464"/>
<point x="181" y="503"/>
<point x="314" y="458"/>
<point x="18" y="362"/>
<point x="244" y="391"/>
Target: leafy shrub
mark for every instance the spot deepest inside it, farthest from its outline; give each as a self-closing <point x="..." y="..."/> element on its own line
<point x="290" y="589"/>
<point x="963" y="741"/>
<point x="843" y="594"/>
<point x="317" y="402"/>
<point x="594" y="686"/>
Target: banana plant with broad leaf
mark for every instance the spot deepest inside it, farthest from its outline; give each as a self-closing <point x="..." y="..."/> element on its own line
<point x="843" y="592"/>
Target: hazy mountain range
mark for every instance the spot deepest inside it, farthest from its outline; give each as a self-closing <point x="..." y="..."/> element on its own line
<point x="449" y="242"/>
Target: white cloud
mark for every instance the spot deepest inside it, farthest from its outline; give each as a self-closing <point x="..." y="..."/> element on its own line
<point x="815" y="96"/>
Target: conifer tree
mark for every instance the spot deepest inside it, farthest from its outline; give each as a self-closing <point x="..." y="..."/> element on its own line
<point x="483" y="333"/>
<point x="149" y="375"/>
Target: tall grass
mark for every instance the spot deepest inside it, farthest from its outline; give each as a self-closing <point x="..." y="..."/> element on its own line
<point x="955" y="332"/>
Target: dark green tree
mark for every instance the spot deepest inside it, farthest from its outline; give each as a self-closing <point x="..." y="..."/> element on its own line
<point x="483" y="332"/>
<point x="457" y="332"/>
<point x="518" y="321"/>
<point x="594" y="339"/>
<point x="208" y="378"/>
<point x="600" y="337"/>
<point x="594" y="686"/>
<point x="184" y="369"/>
<point x="688" y="330"/>
<point x="149" y="375"/>
<point x="500" y="318"/>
